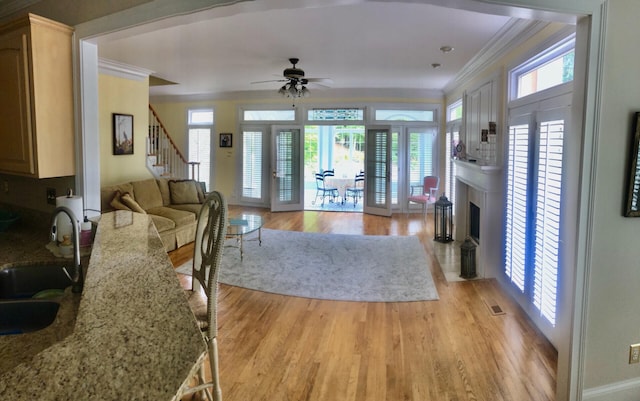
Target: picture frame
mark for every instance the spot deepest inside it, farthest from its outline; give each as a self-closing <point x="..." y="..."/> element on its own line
<point x="226" y="140"/>
<point x="122" y="134"/>
<point x="632" y="206"/>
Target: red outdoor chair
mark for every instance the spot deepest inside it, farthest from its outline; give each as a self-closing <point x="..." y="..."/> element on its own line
<point x="427" y="194"/>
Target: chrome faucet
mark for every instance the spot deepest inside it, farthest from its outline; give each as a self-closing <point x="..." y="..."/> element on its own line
<point x="77" y="277"/>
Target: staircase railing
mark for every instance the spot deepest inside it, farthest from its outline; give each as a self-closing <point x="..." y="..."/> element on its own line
<point x="163" y="156"/>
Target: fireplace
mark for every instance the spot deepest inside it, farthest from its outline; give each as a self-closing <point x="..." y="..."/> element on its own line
<point x="479" y="213"/>
<point x="474" y="222"/>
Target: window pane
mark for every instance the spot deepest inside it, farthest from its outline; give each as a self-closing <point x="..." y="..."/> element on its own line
<point x="553" y="73"/>
<point x="454" y="112"/>
<point x="404" y="115"/>
<point x="201" y="117"/>
<point x="335" y="114"/>
<point x="252" y="164"/>
<point x="550" y="68"/>
<point x="269" y="115"/>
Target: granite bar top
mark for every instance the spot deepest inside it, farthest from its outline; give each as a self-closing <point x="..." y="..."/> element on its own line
<point x="134" y="336"/>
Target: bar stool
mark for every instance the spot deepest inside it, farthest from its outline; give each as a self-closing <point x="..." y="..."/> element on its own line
<point x="207" y="255"/>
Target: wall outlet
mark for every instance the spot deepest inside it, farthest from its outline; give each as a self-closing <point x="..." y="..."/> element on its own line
<point x="51" y="196"/>
<point x="634" y="353"/>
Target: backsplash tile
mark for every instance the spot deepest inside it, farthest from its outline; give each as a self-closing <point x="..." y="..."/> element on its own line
<point x="31" y="193"/>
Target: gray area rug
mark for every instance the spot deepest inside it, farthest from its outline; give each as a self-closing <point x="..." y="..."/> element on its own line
<point x="330" y="266"/>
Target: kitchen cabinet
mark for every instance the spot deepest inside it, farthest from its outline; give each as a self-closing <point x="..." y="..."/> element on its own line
<point x="36" y="106"/>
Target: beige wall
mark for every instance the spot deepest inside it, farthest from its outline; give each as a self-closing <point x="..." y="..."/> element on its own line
<point x="124" y="96"/>
<point x="613" y="317"/>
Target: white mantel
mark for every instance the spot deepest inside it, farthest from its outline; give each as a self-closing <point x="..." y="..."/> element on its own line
<point x="482" y="185"/>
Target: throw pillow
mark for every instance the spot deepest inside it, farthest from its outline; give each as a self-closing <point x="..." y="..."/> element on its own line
<point x="128" y="200"/>
<point x="183" y="192"/>
<point x="116" y="203"/>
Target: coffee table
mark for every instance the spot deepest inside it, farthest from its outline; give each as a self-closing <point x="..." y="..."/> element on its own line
<point x="239" y="226"/>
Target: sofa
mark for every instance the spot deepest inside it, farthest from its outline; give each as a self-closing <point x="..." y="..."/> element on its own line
<point x="173" y="206"/>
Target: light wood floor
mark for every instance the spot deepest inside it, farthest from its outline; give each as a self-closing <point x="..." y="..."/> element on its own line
<point x="283" y="348"/>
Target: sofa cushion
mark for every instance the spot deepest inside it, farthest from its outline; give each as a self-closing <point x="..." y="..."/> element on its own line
<point x="162" y="223"/>
<point x="163" y="184"/>
<point x="184" y="191"/>
<point x="179" y="217"/>
<point x="107" y="194"/>
<point x="128" y="200"/>
<point x="116" y="202"/>
<point x="147" y="193"/>
<point x="189" y="207"/>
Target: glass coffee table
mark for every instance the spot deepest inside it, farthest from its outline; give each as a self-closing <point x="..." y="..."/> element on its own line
<point x="240" y="226"/>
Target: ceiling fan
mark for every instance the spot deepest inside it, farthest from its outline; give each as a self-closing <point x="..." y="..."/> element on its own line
<point x="296" y="82"/>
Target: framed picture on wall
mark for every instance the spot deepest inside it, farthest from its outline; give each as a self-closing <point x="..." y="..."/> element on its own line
<point x="122" y="134"/>
<point x="225" y="140"/>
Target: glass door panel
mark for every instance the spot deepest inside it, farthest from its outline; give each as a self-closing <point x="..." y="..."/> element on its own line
<point x="287" y="170"/>
<point x="377" y="197"/>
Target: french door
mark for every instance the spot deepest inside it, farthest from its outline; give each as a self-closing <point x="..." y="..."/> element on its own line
<point x="287" y="173"/>
<point x="377" y="159"/>
<point x="534" y="200"/>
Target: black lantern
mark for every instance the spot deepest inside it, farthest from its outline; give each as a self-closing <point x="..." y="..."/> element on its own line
<point x="468" y="259"/>
<point x="443" y="218"/>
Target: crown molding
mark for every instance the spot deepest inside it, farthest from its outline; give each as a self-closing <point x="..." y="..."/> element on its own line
<point x="514" y="33"/>
<point x="122" y="70"/>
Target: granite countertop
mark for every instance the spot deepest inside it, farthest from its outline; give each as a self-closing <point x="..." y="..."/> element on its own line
<point x="133" y="336"/>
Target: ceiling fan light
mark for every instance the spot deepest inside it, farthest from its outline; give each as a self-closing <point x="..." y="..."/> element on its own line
<point x="304" y="91"/>
<point x="282" y="91"/>
<point x="293" y="91"/>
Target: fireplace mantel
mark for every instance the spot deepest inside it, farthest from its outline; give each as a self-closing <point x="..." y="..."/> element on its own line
<point x="482" y="186"/>
<point x="481" y="177"/>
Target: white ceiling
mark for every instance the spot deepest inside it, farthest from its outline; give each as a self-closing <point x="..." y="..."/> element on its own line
<point x="362" y="45"/>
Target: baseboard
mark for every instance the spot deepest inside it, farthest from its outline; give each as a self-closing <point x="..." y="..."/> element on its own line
<point x="626" y="390"/>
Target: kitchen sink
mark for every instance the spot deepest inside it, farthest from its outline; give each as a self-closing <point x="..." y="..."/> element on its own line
<point x="24" y="281"/>
<point x="26" y="315"/>
<point x="19" y="311"/>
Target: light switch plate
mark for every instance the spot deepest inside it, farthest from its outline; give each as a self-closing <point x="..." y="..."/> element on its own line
<point x="634" y="353"/>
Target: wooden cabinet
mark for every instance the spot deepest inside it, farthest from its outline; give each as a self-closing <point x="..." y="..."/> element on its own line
<point x="481" y="107"/>
<point x="36" y="105"/>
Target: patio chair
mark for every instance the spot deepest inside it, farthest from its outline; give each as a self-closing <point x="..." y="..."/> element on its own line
<point x="323" y="191"/>
<point x="427" y="194"/>
<point x="357" y="190"/>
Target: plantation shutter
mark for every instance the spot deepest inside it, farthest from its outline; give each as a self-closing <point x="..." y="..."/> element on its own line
<point x="284" y="151"/>
<point x="421" y="155"/>
<point x="516" y="204"/>
<point x="547" y="206"/>
<point x="287" y="188"/>
<point x="252" y="164"/>
<point x="200" y="151"/>
<point x="377" y="199"/>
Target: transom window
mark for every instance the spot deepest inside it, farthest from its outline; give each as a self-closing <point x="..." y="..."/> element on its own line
<point x="343" y="114"/>
<point x="548" y="69"/>
<point x="404" y="115"/>
<point x="454" y="111"/>
<point x="269" y="115"/>
<point x="201" y="117"/>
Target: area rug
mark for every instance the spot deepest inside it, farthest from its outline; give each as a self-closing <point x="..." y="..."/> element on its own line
<point x="330" y="266"/>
